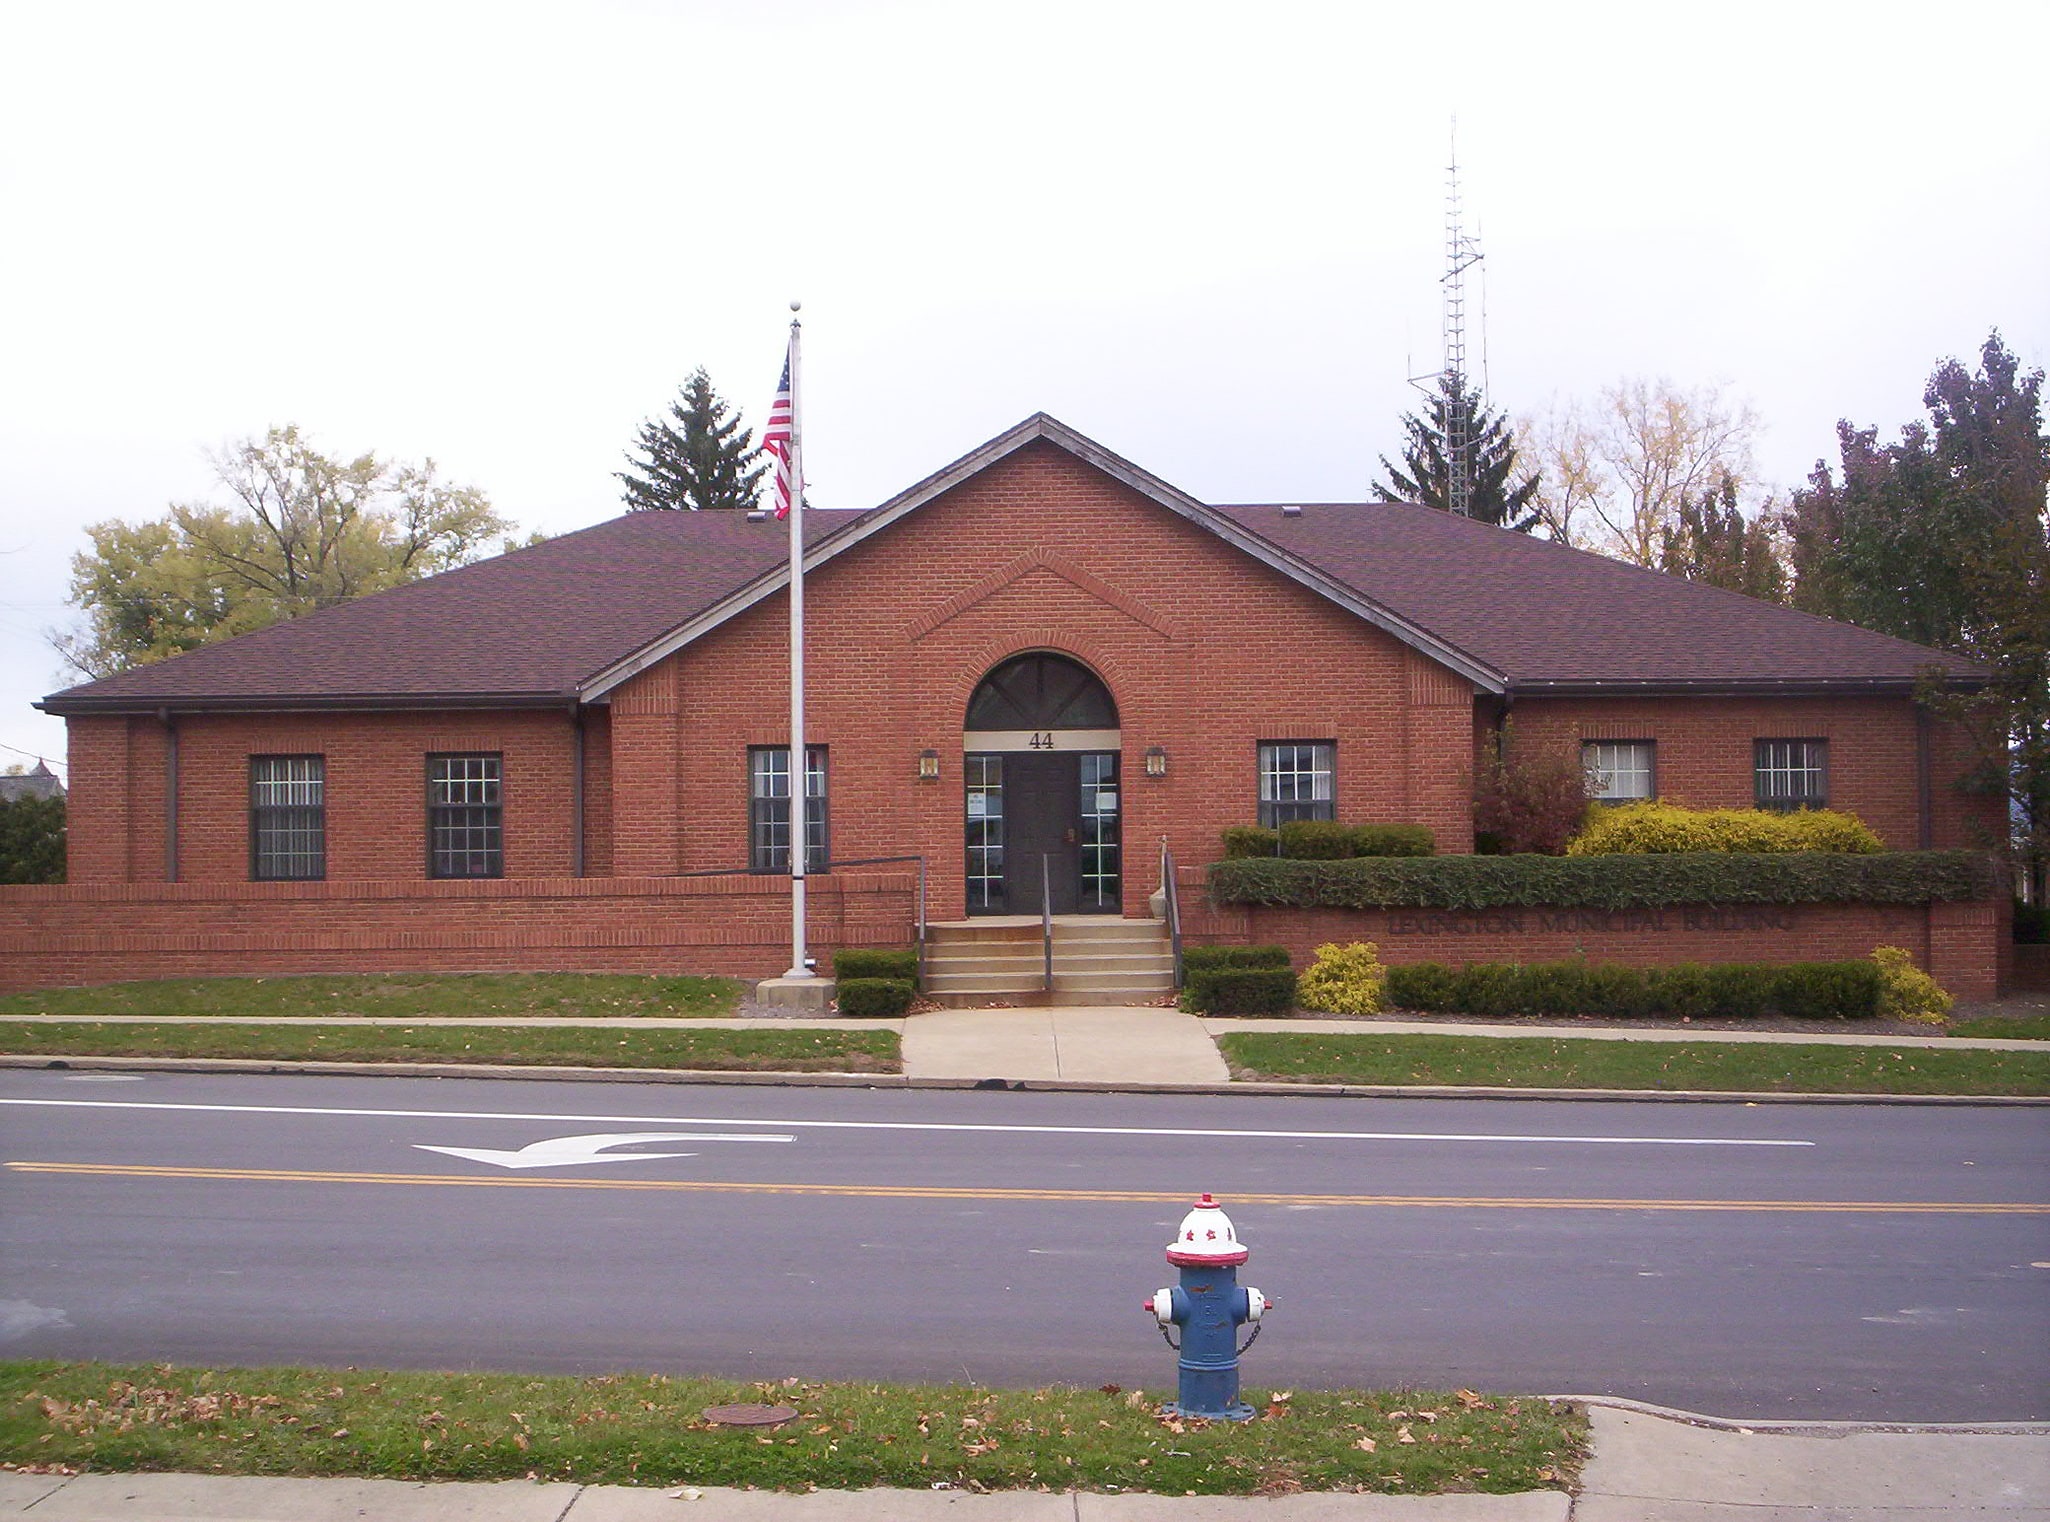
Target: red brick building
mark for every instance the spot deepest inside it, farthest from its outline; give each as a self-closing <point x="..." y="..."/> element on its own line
<point x="1039" y="651"/>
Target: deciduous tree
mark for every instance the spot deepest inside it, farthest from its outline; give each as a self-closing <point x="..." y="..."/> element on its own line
<point x="304" y="530"/>
<point x="1615" y="473"/>
<point x="1941" y="538"/>
<point x="1712" y="540"/>
<point x="697" y="459"/>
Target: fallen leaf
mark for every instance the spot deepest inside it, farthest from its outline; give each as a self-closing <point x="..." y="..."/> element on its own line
<point x="1469" y="1399"/>
<point x="1366" y="1445"/>
<point x="1402" y="1435"/>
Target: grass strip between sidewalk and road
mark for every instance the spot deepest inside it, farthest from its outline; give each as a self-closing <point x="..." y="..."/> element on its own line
<point x="1578" y="1062"/>
<point x="700" y="1049"/>
<point x="648" y="1430"/>
<point x="398" y="996"/>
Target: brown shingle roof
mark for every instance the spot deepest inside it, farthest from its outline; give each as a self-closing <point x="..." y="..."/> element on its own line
<point x="1552" y="618"/>
<point x="574" y="614"/>
<point x="524" y="627"/>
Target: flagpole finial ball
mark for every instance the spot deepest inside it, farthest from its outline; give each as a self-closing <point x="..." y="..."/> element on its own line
<point x="795" y="304"/>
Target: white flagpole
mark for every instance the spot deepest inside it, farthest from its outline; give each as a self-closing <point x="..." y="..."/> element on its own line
<point x="800" y="799"/>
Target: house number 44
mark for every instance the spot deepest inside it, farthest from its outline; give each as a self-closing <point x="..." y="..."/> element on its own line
<point x="1042" y="739"/>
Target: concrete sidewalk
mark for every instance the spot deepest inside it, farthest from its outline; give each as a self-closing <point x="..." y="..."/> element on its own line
<point x="1646" y="1467"/>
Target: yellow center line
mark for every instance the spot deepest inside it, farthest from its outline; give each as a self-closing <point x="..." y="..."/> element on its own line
<point x="1091" y="1196"/>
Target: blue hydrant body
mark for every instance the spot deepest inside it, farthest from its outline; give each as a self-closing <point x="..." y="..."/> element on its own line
<point x="1209" y="1306"/>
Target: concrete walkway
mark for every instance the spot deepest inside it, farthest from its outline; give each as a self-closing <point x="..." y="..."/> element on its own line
<point x="1077" y="1044"/>
<point x="1646" y="1467"/>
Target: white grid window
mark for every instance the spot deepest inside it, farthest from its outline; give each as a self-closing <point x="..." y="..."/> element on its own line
<point x="1296" y="781"/>
<point x="287" y="818"/>
<point x="465" y="834"/>
<point x="1618" y="771"/>
<point x="1102" y="849"/>
<point x="769" y="809"/>
<point x="985" y="801"/>
<point x="1791" y="774"/>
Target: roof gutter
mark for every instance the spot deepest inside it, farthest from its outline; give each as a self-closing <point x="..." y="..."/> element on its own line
<point x="1805" y="687"/>
<point x="283" y="703"/>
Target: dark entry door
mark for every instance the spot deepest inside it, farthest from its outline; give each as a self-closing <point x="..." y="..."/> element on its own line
<point x="1041" y="819"/>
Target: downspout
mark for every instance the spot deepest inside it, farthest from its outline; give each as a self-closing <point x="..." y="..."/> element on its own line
<point x="576" y="790"/>
<point x="1925" y="824"/>
<point x="170" y="794"/>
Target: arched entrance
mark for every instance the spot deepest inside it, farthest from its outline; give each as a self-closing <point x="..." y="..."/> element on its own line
<point x="1040" y="760"/>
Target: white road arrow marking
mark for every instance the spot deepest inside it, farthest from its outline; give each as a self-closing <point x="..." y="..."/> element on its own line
<point x="565" y="1151"/>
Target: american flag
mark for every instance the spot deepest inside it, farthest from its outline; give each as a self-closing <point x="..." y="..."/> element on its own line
<point x="776" y="441"/>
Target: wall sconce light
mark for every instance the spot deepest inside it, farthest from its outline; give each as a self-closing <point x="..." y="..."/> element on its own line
<point x="928" y="766"/>
<point x="1156" y="761"/>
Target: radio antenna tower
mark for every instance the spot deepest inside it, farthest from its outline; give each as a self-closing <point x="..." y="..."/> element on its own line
<point x="1461" y="254"/>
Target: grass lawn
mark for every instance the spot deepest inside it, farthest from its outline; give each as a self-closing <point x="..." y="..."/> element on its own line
<point x="647" y="1430"/>
<point x="1517" y="1062"/>
<point x="701" y="1048"/>
<point x="396" y="995"/>
<point x="2005" y="1028"/>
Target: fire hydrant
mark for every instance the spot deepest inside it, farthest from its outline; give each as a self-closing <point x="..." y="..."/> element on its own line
<point x="1209" y="1306"/>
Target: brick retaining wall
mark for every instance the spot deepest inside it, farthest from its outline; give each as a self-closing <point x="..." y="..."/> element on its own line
<point x="110" y="932"/>
<point x="1957" y="943"/>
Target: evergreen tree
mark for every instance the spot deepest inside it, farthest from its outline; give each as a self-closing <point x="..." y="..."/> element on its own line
<point x="1498" y="496"/>
<point x="704" y="460"/>
<point x="1711" y="540"/>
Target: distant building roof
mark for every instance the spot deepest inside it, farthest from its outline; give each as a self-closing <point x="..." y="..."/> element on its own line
<point x="39" y="783"/>
<point x="567" y="619"/>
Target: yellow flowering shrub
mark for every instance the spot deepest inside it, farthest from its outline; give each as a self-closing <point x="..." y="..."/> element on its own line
<point x="1344" y="980"/>
<point x="1905" y="991"/>
<point x="1631" y="829"/>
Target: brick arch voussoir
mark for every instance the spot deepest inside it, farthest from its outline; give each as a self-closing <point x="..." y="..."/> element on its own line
<point x="981" y="661"/>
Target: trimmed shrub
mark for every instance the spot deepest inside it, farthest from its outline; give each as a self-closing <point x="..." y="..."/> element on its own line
<point x="1323" y="840"/>
<point x="1394" y="840"/>
<point x="1243" y="840"/>
<point x="1318" y="840"/>
<point x="1653" y="881"/>
<point x="874" y="998"/>
<point x="1344" y="980"/>
<point x="1734" y="991"/>
<point x="864" y="962"/>
<point x="1636" y="828"/>
<point x="1240" y="991"/>
<point x="1905" y="991"/>
<point x="1215" y="958"/>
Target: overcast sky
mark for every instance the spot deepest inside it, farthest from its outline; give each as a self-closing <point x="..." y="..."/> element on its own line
<point x="1208" y="236"/>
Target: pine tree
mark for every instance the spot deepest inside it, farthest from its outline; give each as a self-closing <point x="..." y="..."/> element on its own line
<point x="705" y="460"/>
<point x="1496" y="496"/>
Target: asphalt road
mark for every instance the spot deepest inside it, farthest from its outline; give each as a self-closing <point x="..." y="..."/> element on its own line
<point x="1802" y="1261"/>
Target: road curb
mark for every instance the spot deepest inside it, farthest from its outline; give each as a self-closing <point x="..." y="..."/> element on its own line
<point x="705" y="1076"/>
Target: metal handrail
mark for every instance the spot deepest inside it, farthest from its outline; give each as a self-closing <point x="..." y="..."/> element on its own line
<point x="1172" y="894"/>
<point x="1046" y="914"/>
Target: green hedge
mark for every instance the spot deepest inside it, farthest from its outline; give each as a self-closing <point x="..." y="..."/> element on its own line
<point x="1240" y="991"/>
<point x="1736" y="991"/>
<point x="874" y="998"/>
<point x="1215" y="958"/>
<point x="1324" y="840"/>
<point x="863" y="962"/>
<point x="1604" y="882"/>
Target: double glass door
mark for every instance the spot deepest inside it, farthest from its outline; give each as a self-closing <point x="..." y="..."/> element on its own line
<point x="1043" y="825"/>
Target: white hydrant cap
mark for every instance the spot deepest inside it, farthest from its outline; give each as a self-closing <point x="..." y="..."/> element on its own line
<point x="1206" y="1239"/>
